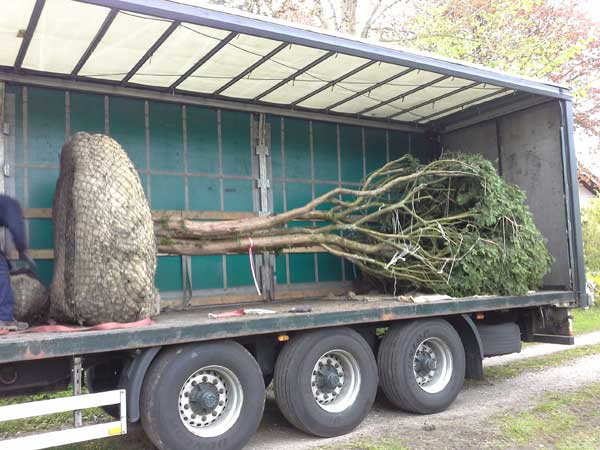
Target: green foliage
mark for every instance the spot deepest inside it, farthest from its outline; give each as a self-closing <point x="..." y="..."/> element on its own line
<point x="590" y="221"/>
<point x="463" y="231"/>
<point x="508" y="253"/>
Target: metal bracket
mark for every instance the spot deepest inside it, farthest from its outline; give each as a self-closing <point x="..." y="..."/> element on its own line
<point x="77" y="389"/>
<point x="262" y="150"/>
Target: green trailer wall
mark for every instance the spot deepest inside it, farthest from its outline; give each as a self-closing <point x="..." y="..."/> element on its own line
<point x="197" y="158"/>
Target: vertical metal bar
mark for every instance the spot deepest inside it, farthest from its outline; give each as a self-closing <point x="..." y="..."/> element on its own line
<point x="25" y="111"/>
<point x="4" y="130"/>
<point x="9" y="142"/>
<point x="338" y="144"/>
<point x="284" y="194"/>
<point x="186" y="260"/>
<point x="579" y="282"/>
<point x="259" y="149"/>
<point x="364" y="152"/>
<point x="387" y="146"/>
<point x="147" y="134"/>
<point x="77" y="389"/>
<point x="221" y="187"/>
<point x="311" y="146"/>
<point x="499" y="145"/>
<point x="184" y="126"/>
<point x="106" y="115"/>
<point x="67" y="114"/>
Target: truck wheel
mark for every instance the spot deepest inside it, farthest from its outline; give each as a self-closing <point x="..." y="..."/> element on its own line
<point x="325" y="381"/>
<point x="202" y="396"/>
<point x="422" y="365"/>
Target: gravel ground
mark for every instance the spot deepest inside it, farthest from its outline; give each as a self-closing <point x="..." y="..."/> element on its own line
<point x="455" y="428"/>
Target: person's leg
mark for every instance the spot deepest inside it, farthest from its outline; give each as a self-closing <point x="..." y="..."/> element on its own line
<point x="7" y="300"/>
<point x="6" y="293"/>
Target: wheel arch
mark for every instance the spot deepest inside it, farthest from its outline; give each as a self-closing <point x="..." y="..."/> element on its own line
<point x="132" y="380"/>
<point x="469" y="335"/>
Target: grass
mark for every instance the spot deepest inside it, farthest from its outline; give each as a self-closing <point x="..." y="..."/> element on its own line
<point x="535" y="364"/>
<point x="586" y="320"/>
<point x="562" y="421"/>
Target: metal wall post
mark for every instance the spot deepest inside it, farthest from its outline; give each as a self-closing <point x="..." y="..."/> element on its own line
<point x="266" y="261"/>
<point x="573" y="211"/>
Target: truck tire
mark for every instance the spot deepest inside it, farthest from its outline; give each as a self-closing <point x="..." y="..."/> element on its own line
<point x="325" y="381"/>
<point x="421" y="365"/>
<point x="208" y="395"/>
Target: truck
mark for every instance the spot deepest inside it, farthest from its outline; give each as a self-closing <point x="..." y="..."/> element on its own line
<point x="228" y="116"/>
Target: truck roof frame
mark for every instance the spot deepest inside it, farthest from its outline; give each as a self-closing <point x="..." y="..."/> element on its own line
<point x="429" y="89"/>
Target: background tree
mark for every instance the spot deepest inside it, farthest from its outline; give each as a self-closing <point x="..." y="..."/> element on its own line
<point x="590" y="218"/>
<point x="551" y="39"/>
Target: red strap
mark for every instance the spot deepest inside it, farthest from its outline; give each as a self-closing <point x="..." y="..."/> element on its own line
<point x="67" y="329"/>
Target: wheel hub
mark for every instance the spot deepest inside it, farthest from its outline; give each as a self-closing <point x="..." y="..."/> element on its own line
<point x="335" y="380"/>
<point x="204" y="398"/>
<point x="432" y="365"/>
<point x="210" y="401"/>
<point x="328" y="379"/>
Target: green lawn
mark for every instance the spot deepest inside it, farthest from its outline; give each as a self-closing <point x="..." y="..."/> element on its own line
<point x="586" y="320"/>
<point x="562" y="421"/>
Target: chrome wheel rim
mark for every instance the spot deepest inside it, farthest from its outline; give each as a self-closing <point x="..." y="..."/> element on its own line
<point x="210" y="401"/>
<point x="432" y="365"/>
<point x="335" y="381"/>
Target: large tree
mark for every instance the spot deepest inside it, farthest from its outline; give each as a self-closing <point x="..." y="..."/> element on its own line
<point x="551" y="39"/>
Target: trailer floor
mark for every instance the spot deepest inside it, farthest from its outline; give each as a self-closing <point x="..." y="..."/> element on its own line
<point x="173" y="327"/>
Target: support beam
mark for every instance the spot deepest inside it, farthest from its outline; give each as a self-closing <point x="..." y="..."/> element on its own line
<point x="106" y="87"/>
<point x="250" y="69"/>
<point x="333" y="82"/>
<point x="370" y="88"/>
<point x="403" y="95"/>
<point x="435" y="99"/>
<point x="216" y="49"/>
<point x="110" y="17"/>
<point x="462" y="105"/>
<point x="295" y="75"/>
<point x="31" y="26"/>
<point x="168" y="32"/>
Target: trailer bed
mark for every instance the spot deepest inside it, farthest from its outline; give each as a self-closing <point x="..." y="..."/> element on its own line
<point x="194" y="325"/>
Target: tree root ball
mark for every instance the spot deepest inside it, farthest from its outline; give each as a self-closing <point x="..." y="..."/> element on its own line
<point x="105" y="251"/>
<point x="32" y="298"/>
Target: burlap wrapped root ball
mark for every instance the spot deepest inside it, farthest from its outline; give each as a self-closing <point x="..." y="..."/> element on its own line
<point x="32" y="299"/>
<point x="105" y="252"/>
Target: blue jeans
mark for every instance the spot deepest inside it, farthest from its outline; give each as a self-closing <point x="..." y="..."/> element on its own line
<point x="7" y="299"/>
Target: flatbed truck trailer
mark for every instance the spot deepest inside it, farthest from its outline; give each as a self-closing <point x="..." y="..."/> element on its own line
<point x="228" y="116"/>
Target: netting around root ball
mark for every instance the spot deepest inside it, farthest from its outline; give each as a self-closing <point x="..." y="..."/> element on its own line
<point x="31" y="298"/>
<point x="105" y="253"/>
